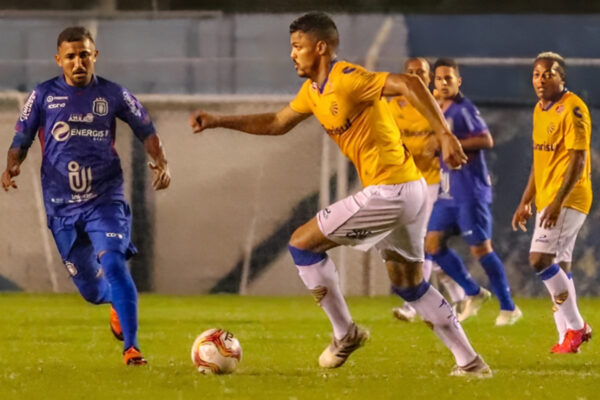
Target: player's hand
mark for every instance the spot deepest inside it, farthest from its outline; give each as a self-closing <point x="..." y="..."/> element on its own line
<point x="201" y="120"/>
<point x="520" y="217"/>
<point x="162" y="176"/>
<point x="452" y="152"/>
<point x="7" y="178"/>
<point x="550" y="215"/>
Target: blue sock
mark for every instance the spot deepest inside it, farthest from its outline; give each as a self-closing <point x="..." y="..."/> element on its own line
<point x="413" y="293"/>
<point x="124" y="295"/>
<point x="494" y="268"/>
<point x="452" y="265"/>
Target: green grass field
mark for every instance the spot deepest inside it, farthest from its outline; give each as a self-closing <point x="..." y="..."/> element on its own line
<point x="58" y="347"/>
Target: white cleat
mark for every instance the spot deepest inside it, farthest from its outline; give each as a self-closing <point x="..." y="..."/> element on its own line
<point x="472" y="304"/>
<point x="336" y="354"/>
<point x="507" y="317"/>
<point x="475" y="369"/>
<point x="405" y="313"/>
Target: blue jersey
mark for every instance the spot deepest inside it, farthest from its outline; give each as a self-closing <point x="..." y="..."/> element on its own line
<point x="472" y="181"/>
<point x="76" y="128"/>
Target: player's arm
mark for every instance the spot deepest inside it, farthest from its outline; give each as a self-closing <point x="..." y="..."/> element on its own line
<point x="417" y="94"/>
<point x="479" y="141"/>
<point x="575" y="168"/>
<point x="270" y="124"/>
<point x="160" y="167"/>
<point x="14" y="159"/>
<point x="524" y="211"/>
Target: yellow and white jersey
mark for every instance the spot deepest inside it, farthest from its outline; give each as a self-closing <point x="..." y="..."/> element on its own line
<point x="350" y="108"/>
<point x="415" y="133"/>
<point x="563" y="126"/>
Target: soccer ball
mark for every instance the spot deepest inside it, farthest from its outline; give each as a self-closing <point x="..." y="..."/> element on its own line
<point x="216" y="351"/>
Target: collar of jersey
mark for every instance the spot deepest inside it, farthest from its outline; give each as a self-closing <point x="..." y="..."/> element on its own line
<point x="322" y="88"/>
<point x="554" y="102"/>
<point x="64" y="84"/>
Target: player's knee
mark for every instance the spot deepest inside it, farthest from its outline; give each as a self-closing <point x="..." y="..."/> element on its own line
<point x="433" y="244"/>
<point x="539" y="261"/>
<point x="481" y="250"/>
<point x="404" y="274"/>
<point x="114" y="264"/>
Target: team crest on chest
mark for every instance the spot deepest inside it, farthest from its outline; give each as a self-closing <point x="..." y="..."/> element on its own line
<point x="334" y="108"/>
<point x="100" y="106"/>
<point x="560" y="108"/>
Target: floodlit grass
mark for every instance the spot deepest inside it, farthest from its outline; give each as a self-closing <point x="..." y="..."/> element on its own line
<point x="58" y="347"/>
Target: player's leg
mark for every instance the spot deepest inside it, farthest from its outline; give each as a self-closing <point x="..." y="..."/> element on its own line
<point x="403" y="253"/>
<point x="109" y="228"/>
<point x="308" y="246"/>
<point x="475" y="221"/>
<point x="80" y="260"/>
<point x="548" y="248"/>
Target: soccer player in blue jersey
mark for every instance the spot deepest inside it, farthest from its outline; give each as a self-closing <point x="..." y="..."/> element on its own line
<point x="463" y="206"/>
<point x="74" y="116"/>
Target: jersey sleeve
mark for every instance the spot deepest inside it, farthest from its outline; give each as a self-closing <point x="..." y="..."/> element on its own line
<point x="301" y="104"/>
<point x="577" y="127"/>
<point x="473" y="122"/>
<point x="135" y="115"/>
<point x="29" y="121"/>
<point x="363" y="85"/>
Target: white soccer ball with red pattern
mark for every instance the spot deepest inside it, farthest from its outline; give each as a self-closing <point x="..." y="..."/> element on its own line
<point x="216" y="351"/>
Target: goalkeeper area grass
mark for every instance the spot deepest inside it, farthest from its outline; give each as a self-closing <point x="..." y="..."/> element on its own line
<point x="59" y="347"/>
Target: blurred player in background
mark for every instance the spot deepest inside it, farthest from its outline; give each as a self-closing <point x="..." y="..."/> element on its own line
<point x="418" y="137"/>
<point x="74" y="116"/>
<point x="388" y="213"/>
<point x="560" y="182"/>
<point x="463" y="206"/>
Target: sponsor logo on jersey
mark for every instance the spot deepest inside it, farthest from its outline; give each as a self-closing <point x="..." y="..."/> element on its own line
<point x="133" y="105"/>
<point x="114" y="235"/>
<point x="348" y="70"/>
<point x="340" y="129"/>
<point x="326" y="212"/>
<point x="577" y="112"/>
<point x="543" y="147"/>
<point x="87" y="118"/>
<point x="53" y="106"/>
<point x="62" y="131"/>
<point x="26" y="111"/>
<point x="71" y="268"/>
<point x="100" y="106"/>
<point x="80" y="178"/>
<point x="51" y="98"/>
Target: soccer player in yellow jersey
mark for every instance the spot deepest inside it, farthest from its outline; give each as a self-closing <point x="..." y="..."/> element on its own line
<point x="417" y="135"/>
<point x="560" y="183"/>
<point x="388" y="212"/>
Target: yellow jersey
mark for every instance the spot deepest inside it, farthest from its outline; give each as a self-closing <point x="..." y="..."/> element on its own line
<point x="415" y="133"/>
<point x="350" y="108"/>
<point x="563" y="126"/>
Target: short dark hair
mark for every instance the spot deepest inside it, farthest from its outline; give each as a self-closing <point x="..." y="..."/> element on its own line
<point x="319" y="24"/>
<point x="554" y="57"/>
<point x="446" y="62"/>
<point x="74" y="34"/>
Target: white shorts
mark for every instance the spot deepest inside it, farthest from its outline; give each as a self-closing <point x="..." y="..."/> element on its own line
<point x="559" y="240"/>
<point x="432" y="195"/>
<point x="389" y="217"/>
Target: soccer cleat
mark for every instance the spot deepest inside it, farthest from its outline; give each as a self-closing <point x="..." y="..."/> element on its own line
<point x="132" y="356"/>
<point x="405" y="313"/>
<point x="115" y="325"/>
<point x="336" y="354"/>
<point x="475" y="369"/>
<point x="573" y="340"/>
<point x="472" y="304"/>
<point x="507" y="317"/>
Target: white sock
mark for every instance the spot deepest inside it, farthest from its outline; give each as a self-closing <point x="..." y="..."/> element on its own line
<point x="561" y="324"/>
<point x="436" y="312"/>
<point x="454" y="290"/>
<point x="322" y="280"/>
<point x="427" y="267"/>
<point x="563" y="295"/>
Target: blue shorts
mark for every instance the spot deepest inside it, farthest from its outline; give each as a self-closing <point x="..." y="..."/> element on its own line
<point x="472" y="220"/>
<point x="107" y="227"/>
